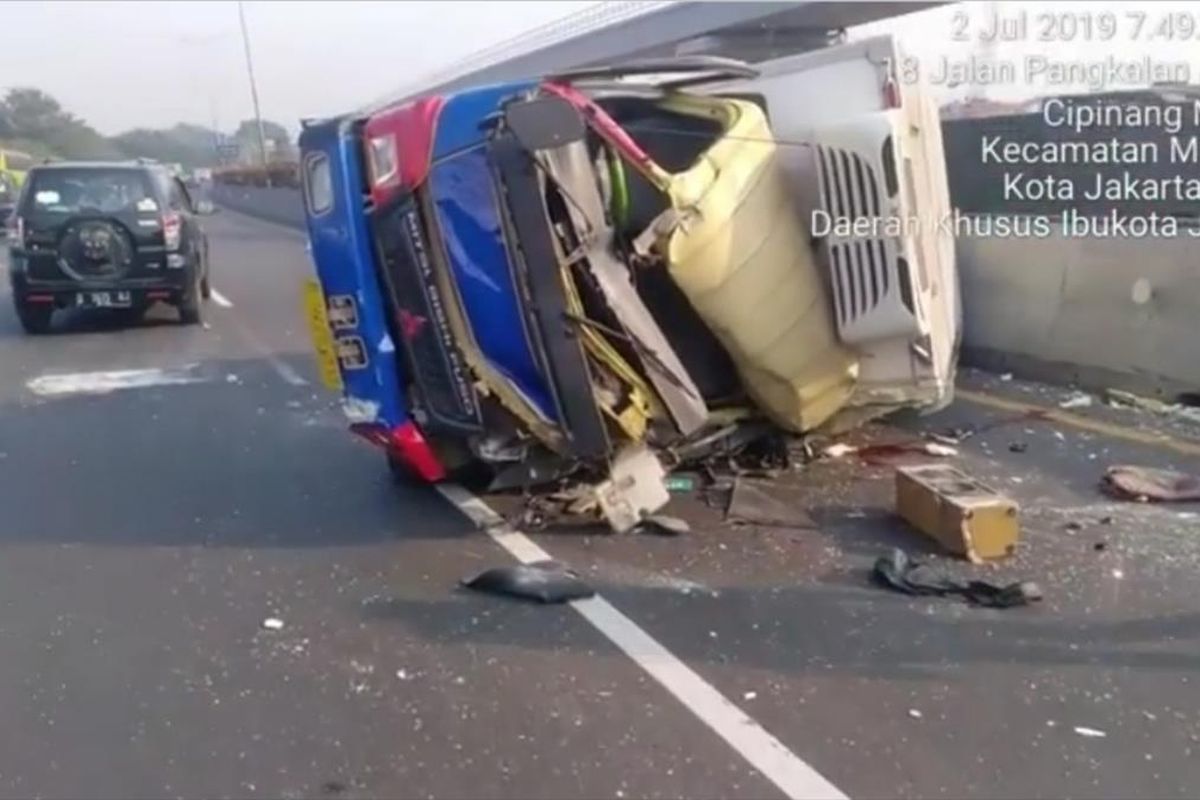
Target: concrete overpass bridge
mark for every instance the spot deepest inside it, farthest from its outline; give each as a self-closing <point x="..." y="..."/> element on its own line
<point x="615" y="31"/>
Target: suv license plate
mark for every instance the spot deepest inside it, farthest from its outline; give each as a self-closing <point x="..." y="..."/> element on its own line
<point x="103" y="300"/>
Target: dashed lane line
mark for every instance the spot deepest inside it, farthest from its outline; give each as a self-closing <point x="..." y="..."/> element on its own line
<point x="795" y="778"/>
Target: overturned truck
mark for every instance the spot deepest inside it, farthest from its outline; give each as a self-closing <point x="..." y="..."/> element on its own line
<point x="599" y="274"/>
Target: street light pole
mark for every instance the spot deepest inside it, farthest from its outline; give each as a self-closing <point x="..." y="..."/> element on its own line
<point x="262" y="139"/>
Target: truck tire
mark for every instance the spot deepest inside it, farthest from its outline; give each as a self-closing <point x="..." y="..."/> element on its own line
<point x="469" y="472"/>
<point x="35" y="319"/>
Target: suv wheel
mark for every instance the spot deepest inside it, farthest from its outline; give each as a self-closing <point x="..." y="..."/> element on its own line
<point x="205" y="285"/>
<point x="189" y="306"/>
<point x="34" y="318"/>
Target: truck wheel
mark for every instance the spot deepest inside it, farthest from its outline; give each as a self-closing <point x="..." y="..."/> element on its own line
<point x="470" y="473"/>
<point x="34" y="319"/>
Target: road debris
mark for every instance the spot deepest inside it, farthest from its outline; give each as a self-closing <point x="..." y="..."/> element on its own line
<point x="1150" y="484"/>
<point x="544" y="582"/>
<point x="749" y="695"/>
<point x="898" y="572"/>
<point x="881" y="453"/>
<point x="1018" y="447"/>
<point x="1077" y="400"/>
<point x="681" y="484"/>
<point x="1091" y="733"/>
<point x="750" y="504"/>
<point x="272" y="624"/>
<point x="664" y="525"/>
<point x="962" y="514"/>
<point x="915" y="714"/>
<point x="839" y="450"/>
<point x="636" y="488"/>
<point x="1184" y="407"/>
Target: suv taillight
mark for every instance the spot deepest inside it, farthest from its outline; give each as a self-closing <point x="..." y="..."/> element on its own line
<point x="172" y="227"/>
<point x="16" y="230"/>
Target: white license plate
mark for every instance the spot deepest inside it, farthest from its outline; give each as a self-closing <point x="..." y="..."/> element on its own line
<point x="103" y="300"/>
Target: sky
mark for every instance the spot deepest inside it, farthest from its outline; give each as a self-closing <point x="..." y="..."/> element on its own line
<point x="151" y="64"/>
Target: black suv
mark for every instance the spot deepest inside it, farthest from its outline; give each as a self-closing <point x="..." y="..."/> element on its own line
<point x="105" y="235"/>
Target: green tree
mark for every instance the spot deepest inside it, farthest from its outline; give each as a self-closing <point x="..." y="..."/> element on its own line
<point x="189" y="145"/>
<point x="31" y="114"/>
<point x="279" y="143"/>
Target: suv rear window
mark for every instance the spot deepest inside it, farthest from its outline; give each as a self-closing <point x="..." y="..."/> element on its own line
<point x="73" y="191"/>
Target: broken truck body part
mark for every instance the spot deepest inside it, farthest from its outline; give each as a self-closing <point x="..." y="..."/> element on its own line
<point x="549" y="276"/>
<point x="962" y="514"/>
<point x="1148" y="483"/>
<point x="900" y="573"/>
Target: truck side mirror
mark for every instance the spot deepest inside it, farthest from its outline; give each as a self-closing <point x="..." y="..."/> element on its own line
<point x="544" y="123"/>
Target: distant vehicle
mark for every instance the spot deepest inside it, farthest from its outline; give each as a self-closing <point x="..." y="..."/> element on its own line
<point x="105" y="235"/>
<point x="549" y="275"/>
<point x="13" y="166"/>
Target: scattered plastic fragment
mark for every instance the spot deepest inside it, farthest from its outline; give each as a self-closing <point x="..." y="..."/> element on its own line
<point x="1006" y="377"/>
<point x="1149" y="483"/>
<point x="544" y="582"/>
<point x="1091" y="733"/>
<point x="1077" y="400"/>
<point x="839" y="450"/>
<point x="680" y="483"/>
<point x="273" y="624"/>
<point x="750" y="504"/>
<point x="898" y="572"/>
<point x="1185" y="407"/>
<point x="749" y="695"/>
<point x="664" y="525"/>
<point x="915" y="714"/>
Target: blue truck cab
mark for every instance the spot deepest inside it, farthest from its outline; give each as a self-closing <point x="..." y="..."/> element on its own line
<point x="590" y="274"/>
<point x="413" y="228"/>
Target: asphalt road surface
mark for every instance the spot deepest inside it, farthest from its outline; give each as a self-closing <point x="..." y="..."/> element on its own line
<point x="148" y="532"/>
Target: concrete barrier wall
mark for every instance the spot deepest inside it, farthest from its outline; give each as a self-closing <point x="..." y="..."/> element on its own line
<point x="1055" y="308"/>
<point x="282" y="205"/>
<point x="1116" y="312"/>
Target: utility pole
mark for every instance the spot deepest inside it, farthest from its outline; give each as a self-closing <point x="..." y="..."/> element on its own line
<point x="262" y="139"/>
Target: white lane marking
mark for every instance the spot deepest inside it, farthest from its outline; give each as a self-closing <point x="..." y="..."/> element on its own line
<point x="281" y="367"/>
<point x="768" y="755"/>
<point x="285" y="371"/>
<point x="220" y="299"/>
<point x="66" y="384"/>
